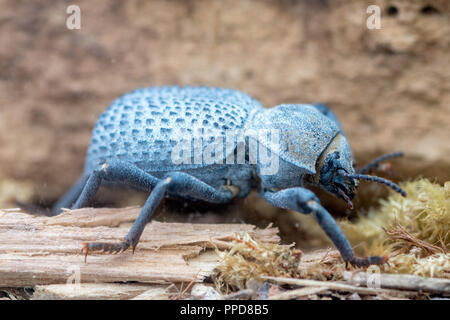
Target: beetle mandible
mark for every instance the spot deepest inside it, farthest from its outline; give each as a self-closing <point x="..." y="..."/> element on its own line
<point x="133" y="140"/>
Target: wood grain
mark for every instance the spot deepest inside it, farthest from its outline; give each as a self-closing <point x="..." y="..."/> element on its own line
<point x="47" y="250"/>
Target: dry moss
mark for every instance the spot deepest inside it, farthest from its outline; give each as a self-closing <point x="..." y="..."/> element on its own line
<point x="322" y="265"/>
<point x="248" y="260"/>
<point x="413" y="231"/>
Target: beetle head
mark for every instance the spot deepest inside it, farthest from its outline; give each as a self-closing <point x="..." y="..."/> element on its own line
<point x="335" y="172"/>
<point x="331" y="166"/>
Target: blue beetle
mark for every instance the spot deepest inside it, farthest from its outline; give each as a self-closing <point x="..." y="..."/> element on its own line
<point x="133" y="145"/>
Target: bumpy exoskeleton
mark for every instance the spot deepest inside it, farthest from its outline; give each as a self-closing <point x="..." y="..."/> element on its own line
<point x="166" y="141"/>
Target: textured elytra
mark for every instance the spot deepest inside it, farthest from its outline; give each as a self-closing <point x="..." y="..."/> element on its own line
<point x="143" y="126"/>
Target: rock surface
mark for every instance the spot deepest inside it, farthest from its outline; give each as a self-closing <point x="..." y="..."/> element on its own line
<point x="390" y="87"/>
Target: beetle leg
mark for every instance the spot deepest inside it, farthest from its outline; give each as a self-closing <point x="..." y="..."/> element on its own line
<point x="70" y="197"/>
<point x="178" y="183"/>
<point x="114" y="171"/>
<point x="112" y="248"/>
<point x="305" y="201"/>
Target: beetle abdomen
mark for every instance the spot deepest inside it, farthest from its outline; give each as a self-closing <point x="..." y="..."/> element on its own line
<point x="141" y="126"/>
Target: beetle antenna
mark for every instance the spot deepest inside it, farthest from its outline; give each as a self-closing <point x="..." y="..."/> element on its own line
<point x="375" y="162"/>
<point x="367" y="177"/>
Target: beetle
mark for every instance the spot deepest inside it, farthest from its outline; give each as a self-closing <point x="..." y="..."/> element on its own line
<point x="133" y="143"/>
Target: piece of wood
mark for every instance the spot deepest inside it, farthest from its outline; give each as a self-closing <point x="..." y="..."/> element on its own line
<point x="297" y="293"/>
<point x="401" y="281"/>
<point x="47" y="250"/>
<point x="154" y="293"/>
<point x="337" y="286"/>
<point x="95" y="291"/>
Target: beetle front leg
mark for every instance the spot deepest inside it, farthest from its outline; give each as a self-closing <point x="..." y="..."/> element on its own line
<point x="305" y="201"/>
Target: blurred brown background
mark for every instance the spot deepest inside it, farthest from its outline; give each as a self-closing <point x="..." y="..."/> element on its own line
<point x="389" y="87"/>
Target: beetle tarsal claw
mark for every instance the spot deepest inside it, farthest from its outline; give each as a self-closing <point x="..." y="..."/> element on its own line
<point x="367" y="261"/>
<point x="108" y="248"/>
